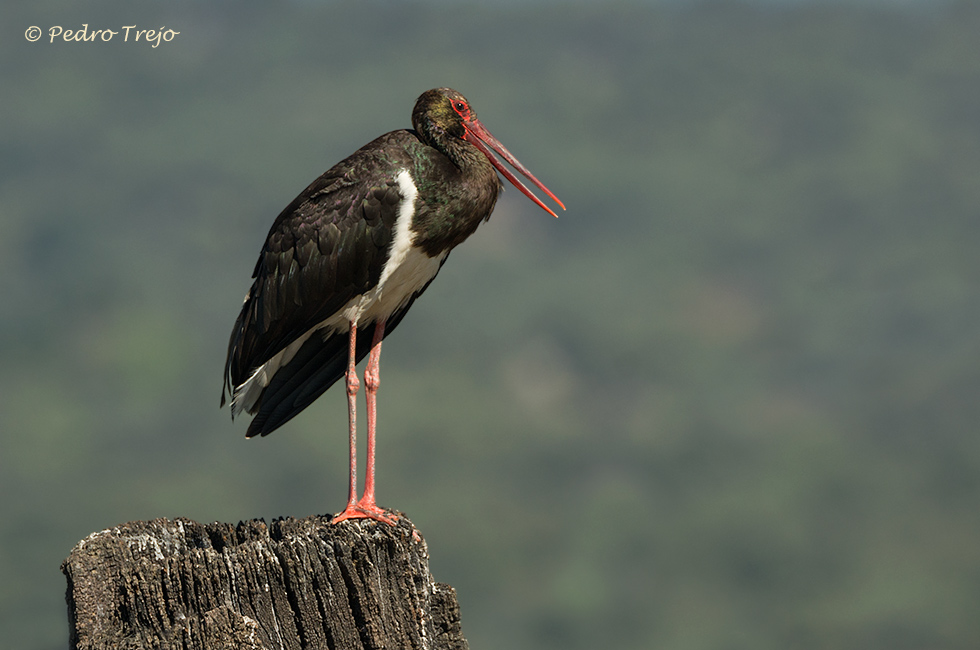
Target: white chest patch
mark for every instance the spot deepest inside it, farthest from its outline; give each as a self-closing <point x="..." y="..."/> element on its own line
<point x="406" y="272"/>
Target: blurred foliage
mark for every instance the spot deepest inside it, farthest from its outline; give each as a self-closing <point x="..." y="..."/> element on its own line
<point x="728" y="400"/>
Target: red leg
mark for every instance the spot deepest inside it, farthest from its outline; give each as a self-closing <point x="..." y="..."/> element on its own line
<point x="366" y="508"/>
<point x="372" y="380"/>
<point x="352" y="385"/>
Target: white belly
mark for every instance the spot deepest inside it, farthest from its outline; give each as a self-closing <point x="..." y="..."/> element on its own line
<point x="406" y="272"/>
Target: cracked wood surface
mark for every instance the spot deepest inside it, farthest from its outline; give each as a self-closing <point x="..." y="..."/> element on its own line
<point x="297" y="583"/>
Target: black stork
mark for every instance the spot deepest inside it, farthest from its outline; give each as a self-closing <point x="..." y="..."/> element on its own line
<point x="353" y="251"/>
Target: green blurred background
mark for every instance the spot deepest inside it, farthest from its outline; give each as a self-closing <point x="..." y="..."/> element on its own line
<point x="727" y="401"/>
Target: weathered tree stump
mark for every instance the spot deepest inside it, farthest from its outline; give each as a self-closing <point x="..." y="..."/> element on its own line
<point x="298" y="583"/>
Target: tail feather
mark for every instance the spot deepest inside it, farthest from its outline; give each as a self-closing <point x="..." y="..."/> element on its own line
<point x="315" y="367"/>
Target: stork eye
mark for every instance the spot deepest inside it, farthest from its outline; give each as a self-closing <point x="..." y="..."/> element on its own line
<point x="460" y="108"/>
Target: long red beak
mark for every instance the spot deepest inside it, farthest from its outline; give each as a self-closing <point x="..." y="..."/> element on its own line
<point x="483" y="140"/>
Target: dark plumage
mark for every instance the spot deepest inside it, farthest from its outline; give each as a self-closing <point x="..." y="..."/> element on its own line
<point x="326" y="247"/>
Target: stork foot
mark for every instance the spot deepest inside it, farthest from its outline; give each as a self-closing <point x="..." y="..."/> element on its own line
<point x="363" y="510"/>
